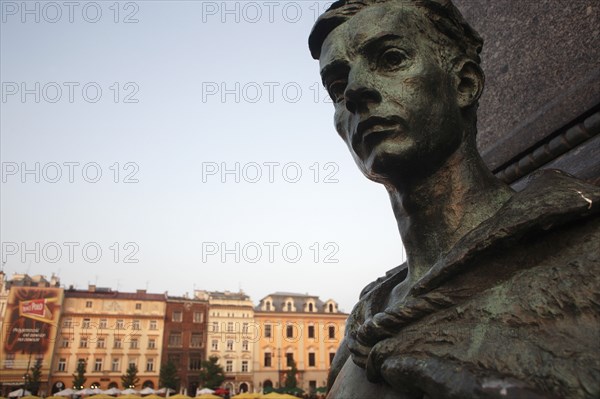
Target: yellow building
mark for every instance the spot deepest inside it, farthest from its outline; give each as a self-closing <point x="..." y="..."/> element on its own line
<point x="299" y="328"/>
<point x="109" y="330"/>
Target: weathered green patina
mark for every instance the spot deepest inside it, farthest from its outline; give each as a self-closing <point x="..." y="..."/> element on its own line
<point x="500" y="294"/>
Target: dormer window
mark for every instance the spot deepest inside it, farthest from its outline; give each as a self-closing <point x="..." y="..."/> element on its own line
<point x="331" y="308"/>
<point x="289" y="306"/>
<point x="310" y="307"/>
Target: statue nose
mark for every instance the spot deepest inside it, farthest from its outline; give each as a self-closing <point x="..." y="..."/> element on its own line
<point x="360" y="97"/>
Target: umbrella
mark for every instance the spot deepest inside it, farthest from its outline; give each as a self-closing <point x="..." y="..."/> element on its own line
<point x="180" y="396"/>
<point x="147" y="391"/>
<point x="129" y="396"/>
<point x="18" y="393"/>
<point x="102" y="396"/>
<point x="129" y="391"/>
<point x="30" y="397"/>
<point x="85" y="392"/>
<point x="165" y="390"/>
<point x="205" y="390"/>
<point x="112" y="391"/>
<point x="208" y="396"/>
<point x="65" y="392"/>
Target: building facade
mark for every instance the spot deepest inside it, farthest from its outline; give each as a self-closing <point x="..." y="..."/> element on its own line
<point x="230" y="322"/>
<point x="297" y="329"/>
<point x="32" y="310"/>
<point x="184" y="342"/>
<point x="108" y="331"/>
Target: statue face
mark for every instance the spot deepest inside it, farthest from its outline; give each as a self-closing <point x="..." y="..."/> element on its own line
<point x="395" y="103"/>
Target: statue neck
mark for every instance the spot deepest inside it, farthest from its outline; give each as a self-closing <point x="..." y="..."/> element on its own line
<point x="435" y="212"/>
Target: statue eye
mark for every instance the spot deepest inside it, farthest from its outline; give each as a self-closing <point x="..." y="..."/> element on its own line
<point x="391" y="59"/>
<point x="336" y="90"/>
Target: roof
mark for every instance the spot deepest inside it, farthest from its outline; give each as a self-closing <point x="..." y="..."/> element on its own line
<point x="140" y="295"/>
<point x="300" y="302"/>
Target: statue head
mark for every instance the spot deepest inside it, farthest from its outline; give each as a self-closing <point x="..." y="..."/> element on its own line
<point x="405" y="80"/>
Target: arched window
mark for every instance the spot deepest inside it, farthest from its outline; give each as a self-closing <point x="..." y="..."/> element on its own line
<point x="331" y="308"/>
<point x="243" y="387"/>
<point x="268" y="384"/>
<point x="310" y="307"/>
<point x="289" y="306"/>
<point x="148" y="384"/>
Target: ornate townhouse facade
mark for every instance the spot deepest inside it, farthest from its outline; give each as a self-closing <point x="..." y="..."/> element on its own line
<point x="108" y="331"/>
<point x="298" y="328"/>
<point x="184" y="342"/>
<point x="230" y="323"/>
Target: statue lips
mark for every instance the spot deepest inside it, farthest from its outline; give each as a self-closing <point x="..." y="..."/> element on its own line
<point x="376" y="128"/>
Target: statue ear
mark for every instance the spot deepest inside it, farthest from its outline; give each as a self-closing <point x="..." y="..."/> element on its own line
<point x="469" y="82"/>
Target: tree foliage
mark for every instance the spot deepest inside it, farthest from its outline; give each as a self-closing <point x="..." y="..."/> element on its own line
<point x="33" y="378"/>
<point x="130" y="378"/>
<point x="212" y="374"/>
<point x="79" y="377"/>
<point x="290" y="375"/>
<point x="168" y="376"/>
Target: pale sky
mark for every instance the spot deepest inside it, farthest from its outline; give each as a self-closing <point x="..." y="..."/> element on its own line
<point x="191" y="142"/>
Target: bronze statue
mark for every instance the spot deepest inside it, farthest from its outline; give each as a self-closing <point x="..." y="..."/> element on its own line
<point x="500" y="293"/>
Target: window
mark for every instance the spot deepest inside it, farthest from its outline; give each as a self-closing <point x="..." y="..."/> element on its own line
<point x="196" y="340"/>
<point x="135" y="325"/>
<point x="103" y="324"/>
<point x="62" y="364"/>
<point x="151" y="343"/>
<point x="289" y="306"/>
<point x="132" y="362"/>
<point x="331" y="356"/>
<point x="118" y="343"/>
<point x="244" y="366"/>
<point x="67" y="323"/>
<point x="229" y="344"/>
<point x="98" y="365"/>
<point x="177" y="316"/>
<point x="65" y="342"/>
<point x="215" y="326"/>
<point x="331" y="331"/>
<point x="115" y="365"/>
<point x="195" y="363"/>
<point x="289" y="331"/>
<point x="88" y="304"/>
<point x="230" y="327"/>
<point x="311" y="360"/>
<point x="214" y="345"/>
<point x="120" y="325"/>
<point x="268" y="331"/>
<point x="330" y="308"/>
<point x="245" y="328"/>
<point x="311" y="331"/>
<point x="153" y="325"/>
<point x="138" y="306"/>
<point x="85" y="323"/>
<point x="289" y="359"/>
<point x="101" y="343"/>
<point x="83" y="342"/>
<point x="198" y="317"/>
<point x="134" y="344"/>
<point x="267" y="359"/>
<point x="229" y="366"/>
<point x="244" y="345"/>
<point x="150" y="364"/>
<point x="268" y="305"/>
<point x="310" y="307"/>
<point x="175" y="339"/>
